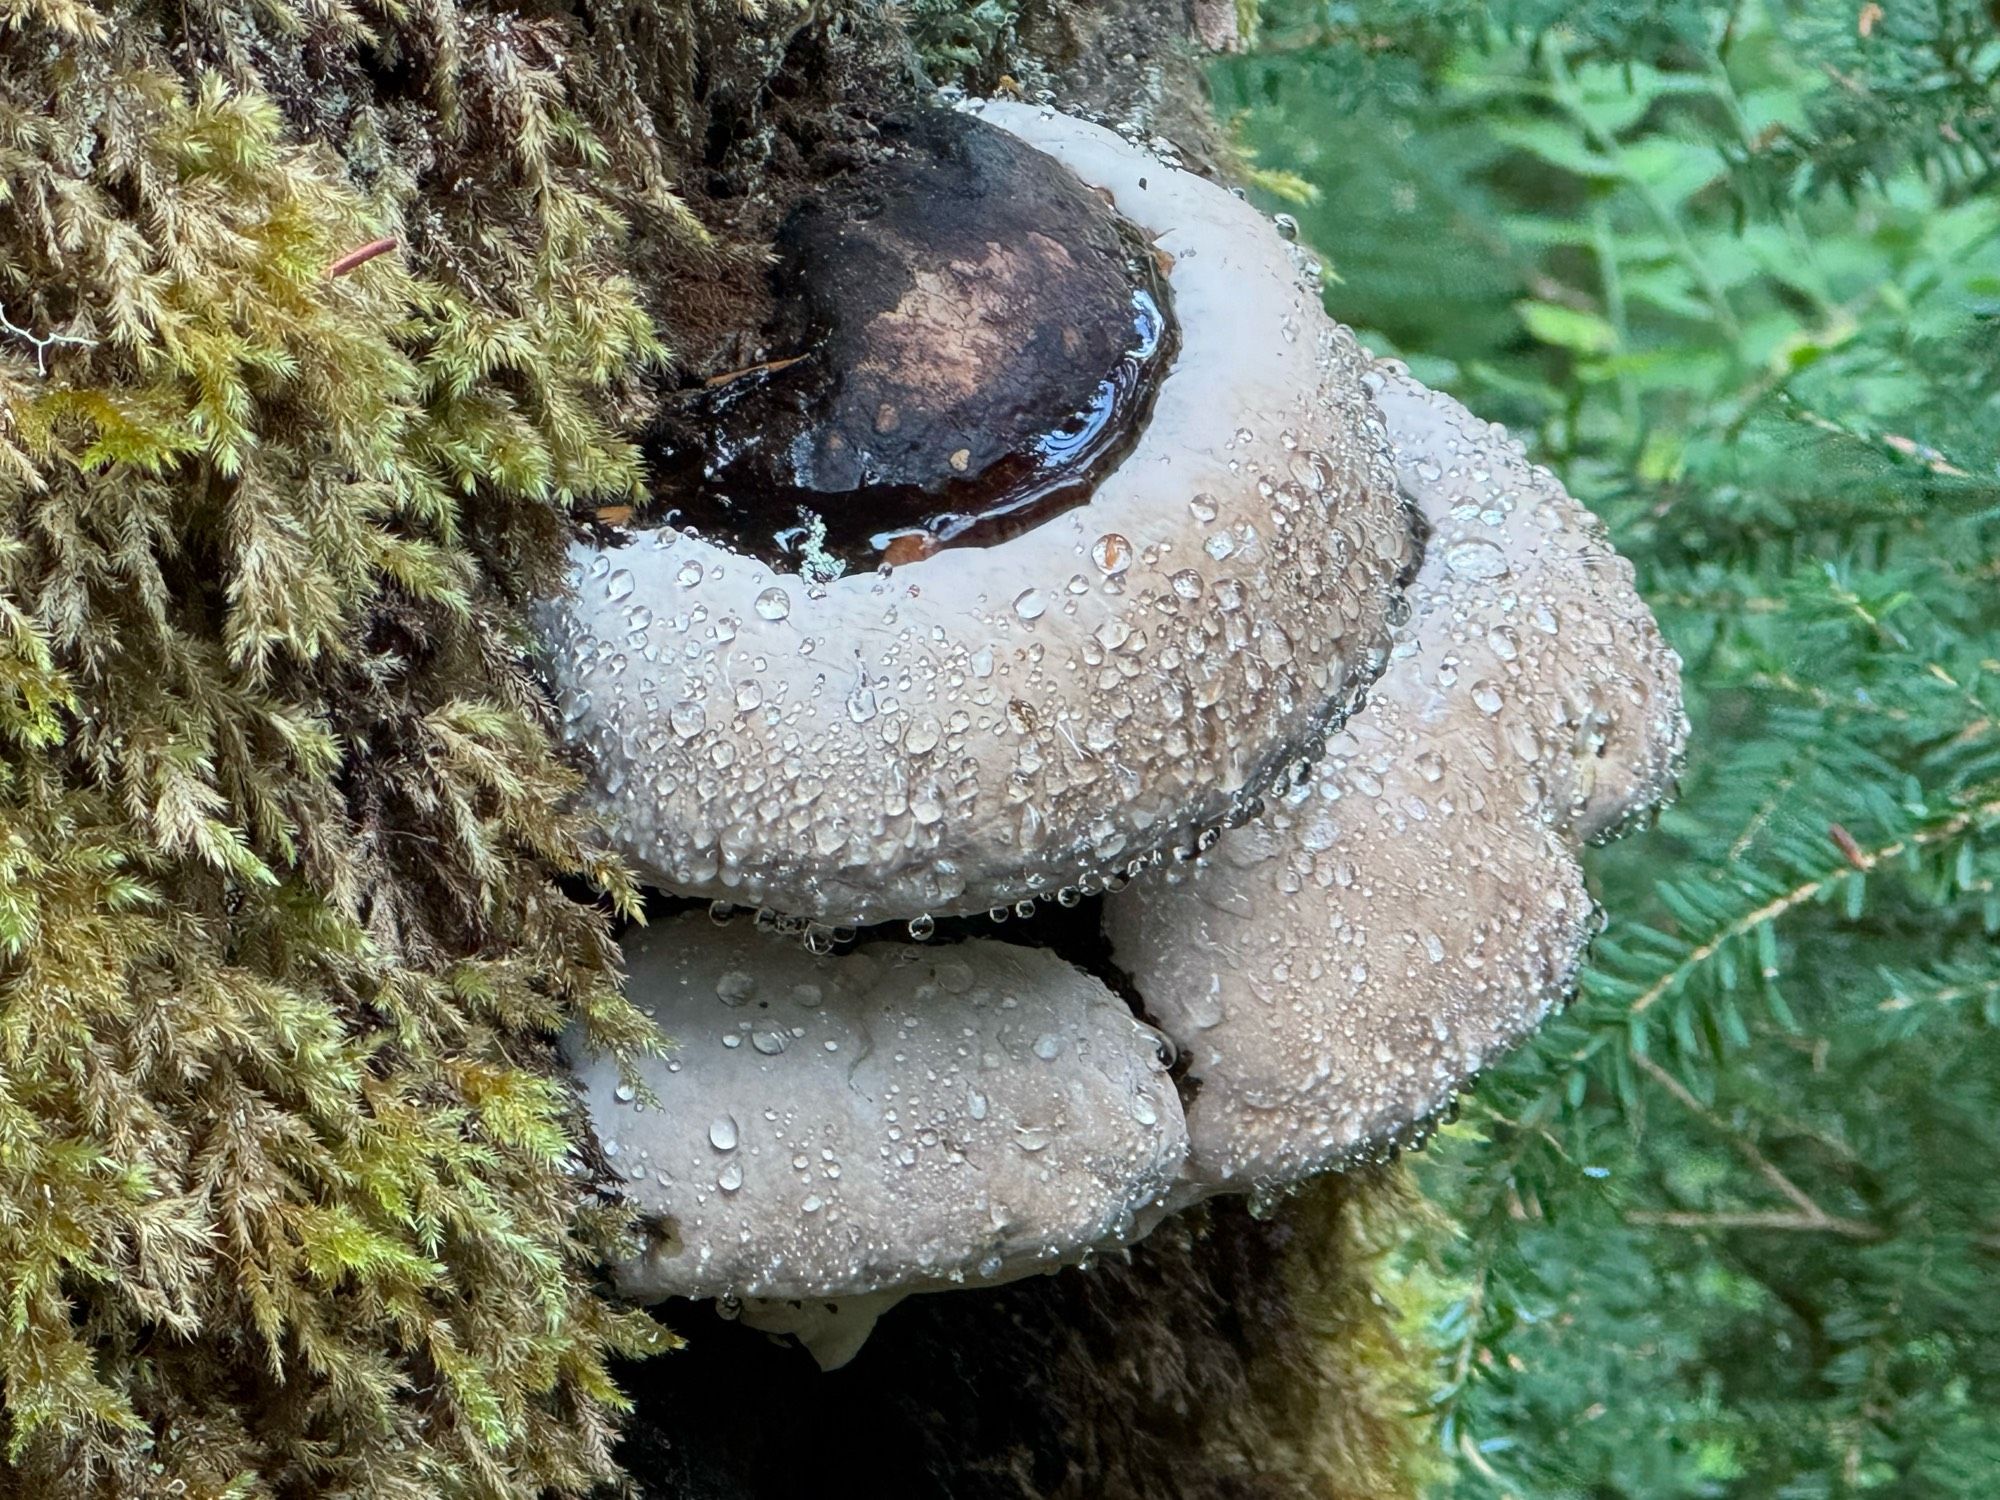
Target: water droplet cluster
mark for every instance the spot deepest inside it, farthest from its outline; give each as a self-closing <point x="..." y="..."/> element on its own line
<point x="992" y="725"/>
<point x="1341" y="968"/>
<point x="920" y="1114"/>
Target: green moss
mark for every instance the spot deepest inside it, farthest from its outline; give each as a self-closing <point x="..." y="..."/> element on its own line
<point x="284" y="1202"/>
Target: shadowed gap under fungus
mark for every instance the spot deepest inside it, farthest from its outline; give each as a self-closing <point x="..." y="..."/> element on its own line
<point x="1228" y="1357"/>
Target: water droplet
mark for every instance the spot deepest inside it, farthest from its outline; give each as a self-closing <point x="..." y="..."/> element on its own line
<point x="770" y="1041"/>
<point x="1187" y="583"/>
<point x="1471" y="557"/>
<point x="1486" y="694"/>
<point x="688" y="718"/>
<point x="773" y="604"/>
<point x="689" y="574"/>
<point x="625" y="1093"/>
<point x="1048" y="1046"/>
<point x="730" y="1178"/>
<point x="722" y="1133"/>
<point x="1112" y="553"/>
<point x="1030" y="605"/>
<point x="921" y="927"/>
<point x="619" y="585"/>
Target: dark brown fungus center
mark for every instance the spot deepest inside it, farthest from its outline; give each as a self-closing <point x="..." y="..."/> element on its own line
<point x="965" y="339"/>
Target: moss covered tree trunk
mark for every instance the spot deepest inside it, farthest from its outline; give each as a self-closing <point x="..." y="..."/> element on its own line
<point x="321" y="322"/>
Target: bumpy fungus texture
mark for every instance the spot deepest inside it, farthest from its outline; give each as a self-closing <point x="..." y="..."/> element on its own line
<point x="1334" y="971"/>
<point x="826" y="1126"/>
<point x="1338" y="969"/>
<point x="991" y="724"/>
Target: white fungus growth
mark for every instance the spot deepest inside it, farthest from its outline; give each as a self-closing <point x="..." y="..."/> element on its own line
<point x="930" y="1112"/>
<point x="1139" y="674"/>
<point x="992" y="723"/>
<point x="1339" y="968"/>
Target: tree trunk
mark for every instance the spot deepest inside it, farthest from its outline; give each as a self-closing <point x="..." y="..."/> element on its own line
<point x="322" y="326"/>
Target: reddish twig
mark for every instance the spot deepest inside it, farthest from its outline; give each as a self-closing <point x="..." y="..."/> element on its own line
<point x="361" y="257"/>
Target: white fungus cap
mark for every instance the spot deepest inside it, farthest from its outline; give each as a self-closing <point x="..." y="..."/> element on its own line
<point x="1338" y="969"/>
<point x="897" y="1116"/>
<point x="993" y="723"/>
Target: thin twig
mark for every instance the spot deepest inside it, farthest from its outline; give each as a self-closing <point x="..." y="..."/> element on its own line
<point x="42" y="341"/>
<point x="1771" y="910"/>
<point x="766" y="367"/>
<point x="1766" y="1168"/>
<point x="357" y="258"/>
<point x="1851" y="1229"/>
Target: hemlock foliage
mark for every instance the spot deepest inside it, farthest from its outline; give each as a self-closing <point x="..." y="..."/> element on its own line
<point x="1728" y="1227"/>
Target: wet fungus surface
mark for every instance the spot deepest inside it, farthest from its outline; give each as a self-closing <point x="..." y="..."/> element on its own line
<point x="1340" y="968"/>
<point x="965" y="339"/>
<point x="1309" y="682"/>
<point x="992" y="724"/>
<point x="835" y="1125"/>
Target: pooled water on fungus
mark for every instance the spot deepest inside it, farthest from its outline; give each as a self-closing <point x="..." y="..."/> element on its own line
<point x="990" y="725"/>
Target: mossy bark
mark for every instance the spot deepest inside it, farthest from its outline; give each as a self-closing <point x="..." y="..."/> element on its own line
<point x="289" y="908"/>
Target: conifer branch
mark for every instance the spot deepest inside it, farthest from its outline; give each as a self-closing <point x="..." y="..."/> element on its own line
<point x="1809" y="1215"/>
<point x="1859" y="861"/>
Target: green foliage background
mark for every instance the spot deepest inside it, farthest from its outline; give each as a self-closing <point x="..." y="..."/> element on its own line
<point x="1729" y="1227"/>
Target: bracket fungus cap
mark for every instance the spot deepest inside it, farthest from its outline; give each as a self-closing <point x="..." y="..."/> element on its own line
<point x="896" y="1117"/>
<point x="991" y="723"/>
<point x="1339" y="969"/>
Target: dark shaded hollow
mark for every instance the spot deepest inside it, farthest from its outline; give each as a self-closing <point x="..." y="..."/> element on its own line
<point x="1175" y="1372"/>
<point x="965" y="339"/>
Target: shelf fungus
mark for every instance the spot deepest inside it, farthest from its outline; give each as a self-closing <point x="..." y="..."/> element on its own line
<point x="929" y="626"/>
<point x="894" y="1119"/>
<point x="1049" y="550"/>
<point x="1339" y="969"/>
